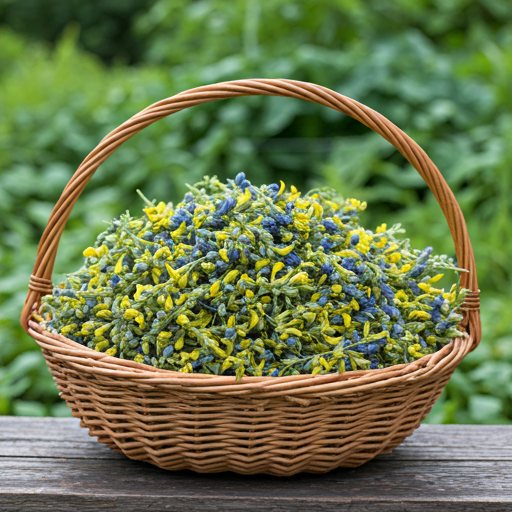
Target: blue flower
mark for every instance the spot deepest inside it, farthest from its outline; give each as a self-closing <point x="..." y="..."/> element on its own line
<point x="289" y="207"/>
<point x="244" y="240"/>
<point x="273" y="189"/>
<point x="205" y="247"/>
<point x="245" y="184"/>
<point x="275" y="373"/>
<point x="438" y="301"/>
<point x="355" y="337"/>
<point x="197" y="364"/>
<point x="115" y="280"/>
<point x="268" y="356"/>
<point x="191" y="207"/>
<point x="214" y="223"/>
<point x="230" y="333"/>
<point x="322" y="301"/>
<point x="349" y="264"/>
<point x="362" y="317"/>
<point x="418" y="270"/>
<point x="387" y="292"/>
<point x="239" y="178"/>
<point x="391" y="311"/>
<point x="220" y="266"/>
<point x="374" y="364"/>
<point x="373" y="348"/>
<point x="284" y="220"/>
<point x="354" y="239"/>
<point x="353" y="291"/>
<point x="435" y="316"/>
<point x="181" y="216"/>
<point x="398" y="330"/>
<point x="330" y="226"/>
<point x="182" y="261"/>
<point x="269" y="224"/>
<point x="189" y="197"/>
<point x="348" y="364"/>
<point x="414" y="287"/>
<point x="168" y="351"/>
<point x="424" y="254"/>
<point x="443" y="326"/>
<point x="327" y="269"/>
<point x="336" y="320"/>
<point x="226" y="206"/>
<point x="327" y="244"/>
<point x="265" y="271"/>
<point x="291" y="342"/>
<point x="334" y="277"/>
<point x="233" y="255"/>
<point x="292" y="259"/>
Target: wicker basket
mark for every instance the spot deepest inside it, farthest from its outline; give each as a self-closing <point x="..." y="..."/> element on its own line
<point x="279" y="426"/>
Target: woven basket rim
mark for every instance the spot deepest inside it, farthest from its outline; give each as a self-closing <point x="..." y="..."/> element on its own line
<point x="105" y="364"/>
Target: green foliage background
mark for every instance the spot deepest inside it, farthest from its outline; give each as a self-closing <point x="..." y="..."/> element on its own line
<point x="72" y="71"/>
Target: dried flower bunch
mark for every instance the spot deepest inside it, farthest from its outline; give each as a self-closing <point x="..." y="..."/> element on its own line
<point x="245" y="280"/>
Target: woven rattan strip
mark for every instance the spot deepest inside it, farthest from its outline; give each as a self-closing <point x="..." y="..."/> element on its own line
<point x="280" y="425"/>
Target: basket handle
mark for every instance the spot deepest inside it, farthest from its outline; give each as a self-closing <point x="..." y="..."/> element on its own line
<point x="40" y="280"/>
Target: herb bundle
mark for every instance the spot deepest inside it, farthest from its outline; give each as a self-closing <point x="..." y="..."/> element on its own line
<point x="245" y="280"/>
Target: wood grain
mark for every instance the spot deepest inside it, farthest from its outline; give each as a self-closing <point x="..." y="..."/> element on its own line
<point x="51" y="462"/>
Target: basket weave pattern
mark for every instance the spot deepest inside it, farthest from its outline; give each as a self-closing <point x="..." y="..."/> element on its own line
<point x="279" y="426"/>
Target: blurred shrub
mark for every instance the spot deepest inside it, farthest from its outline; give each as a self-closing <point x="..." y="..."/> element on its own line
<point x="453" y="98"/>
<point x="106" y="27"/>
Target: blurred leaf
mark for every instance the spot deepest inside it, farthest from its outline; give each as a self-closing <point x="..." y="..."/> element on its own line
<point x="484" y="408"/>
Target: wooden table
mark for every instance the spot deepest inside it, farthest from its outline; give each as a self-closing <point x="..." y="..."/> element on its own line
<point x="52" y="464"/>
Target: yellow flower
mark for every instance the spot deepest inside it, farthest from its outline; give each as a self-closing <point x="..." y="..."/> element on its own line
<point x="382" y="243"/>
<point x="90" y="252"/>
<point x="419" y="315"/>
<point x="182" y="320"/>
<point x="254" y="320"/>
<point x="244" y="198"/>
<point x="119" y="265"/>
<point x="230" y="276"/>
<point x="275" y="269"/>
<point x="435" y="278"/>
<point x="283" y="251"/>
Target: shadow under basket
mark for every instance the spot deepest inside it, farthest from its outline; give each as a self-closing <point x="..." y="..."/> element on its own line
<point x="274" y="425"/>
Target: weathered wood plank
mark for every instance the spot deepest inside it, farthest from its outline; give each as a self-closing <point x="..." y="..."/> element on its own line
<point x="62" y="437"/>
<point x="379" y="485"/>
<point x="52" y="463"/>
